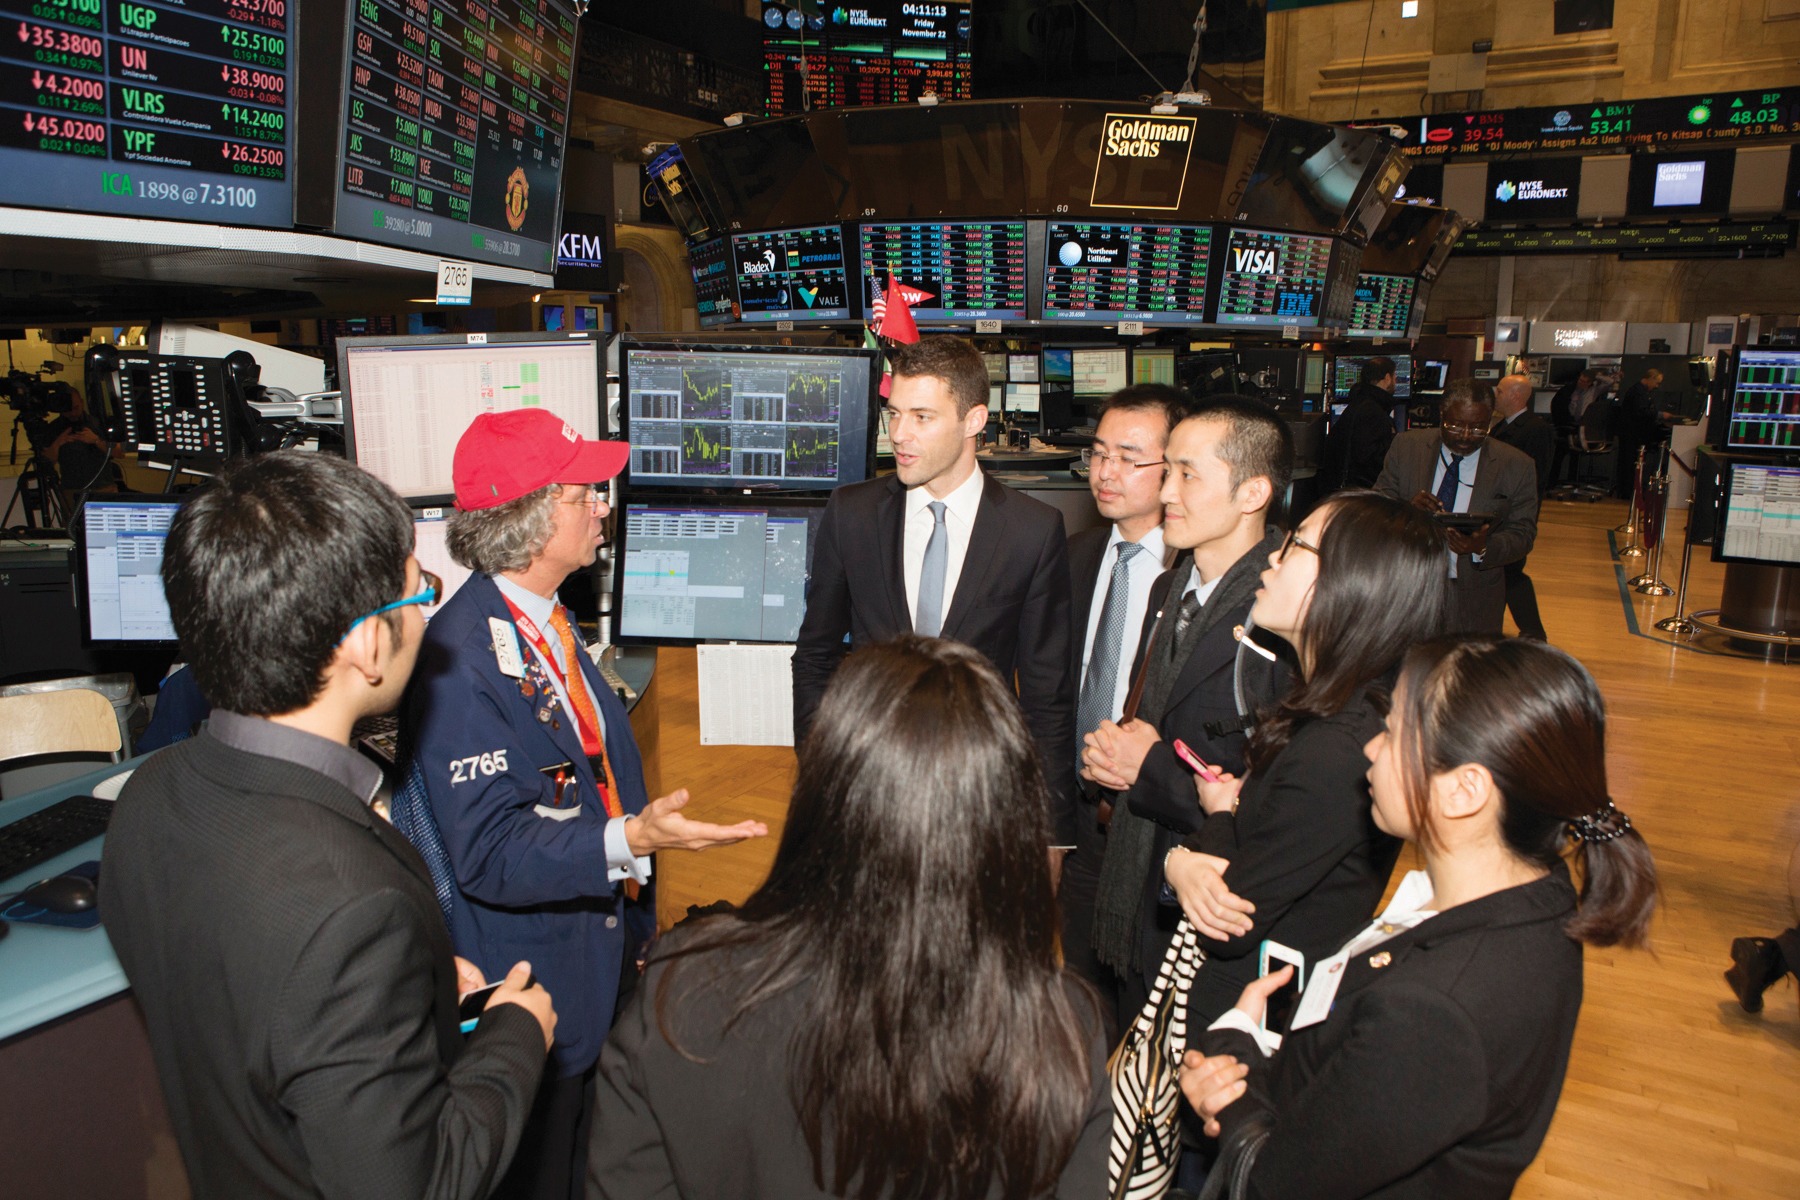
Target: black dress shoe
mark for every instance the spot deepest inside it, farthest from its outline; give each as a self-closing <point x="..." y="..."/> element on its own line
<point x="1755" y="964"/>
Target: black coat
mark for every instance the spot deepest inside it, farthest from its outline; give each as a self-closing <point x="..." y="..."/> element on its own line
<point x="1439" y="1068"/>
<point x="1304" y="849"/>
<point x="1532" y="434"/>
<point x="296" y="978"/>
<point x="1358" y="441"/>
<point x="1011" y="604"/>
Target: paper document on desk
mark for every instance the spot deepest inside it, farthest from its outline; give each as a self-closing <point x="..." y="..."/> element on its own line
<point x="746" y="695"/>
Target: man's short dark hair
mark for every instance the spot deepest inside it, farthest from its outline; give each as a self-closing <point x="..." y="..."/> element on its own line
<point x="1377" y="369"/>
<point x="953" y="360"/>
<point x="267" y="568"/>
<point x="1468" y="390"/>
<point x="1168" y="402"/>
<point x="1257" y="442"/>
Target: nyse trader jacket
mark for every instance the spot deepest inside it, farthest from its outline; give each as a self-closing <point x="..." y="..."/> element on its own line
<point x="531" y="887"/>
<point x="1011" y="603"/>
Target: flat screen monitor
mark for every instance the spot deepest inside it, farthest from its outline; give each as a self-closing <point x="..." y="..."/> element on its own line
<point x="556" y="318"/>
<point x="431" y="548"/>
<point x="696" y="572"/>
<point x="1102" y="272"/>
<point x="1431" y="376"/>
<point x="1564" y="369"/>
<point x="715" y="297"/>
<point x="1153" y="366"/>
<point x="1023" y="398"/>
<point x="1761" y="515"/>
<point x="1683" y="183"/>
<point x="1346" y="370"/>
<point x="1273" y="279"/>
<point x="774" y="418"/>
<point x="1765" y="402"/>
<point x="1022" y="368"/>
<point x="119" y="552"/>
<point x="996" y="367"/>
<point x="408" y="400"/>
<point x="791" y="274"/>
<point x="1099" y="371"/>
<point x="1383" y="306"/>
<point x="967" y="270"/>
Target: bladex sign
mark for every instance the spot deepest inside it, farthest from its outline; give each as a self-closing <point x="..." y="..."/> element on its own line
<point x="1142" y="161"/>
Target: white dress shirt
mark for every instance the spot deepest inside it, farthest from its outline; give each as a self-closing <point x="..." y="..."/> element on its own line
<point x="621" y="863"/>
<point x="1140" y="572"/>
<point x="1203" y="590"/>
<point x="1465" y="487"/>
<point x="960" y="507"/>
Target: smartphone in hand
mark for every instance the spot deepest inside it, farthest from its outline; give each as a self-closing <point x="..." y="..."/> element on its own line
<point x="1280" y="1008"/>
<point x="1195" y="762"/>
<point x="473" y="1004"/>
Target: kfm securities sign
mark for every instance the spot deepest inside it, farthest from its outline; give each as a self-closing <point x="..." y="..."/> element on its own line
<point x="1142" y="161"/>
<point x="1533" y="189"/>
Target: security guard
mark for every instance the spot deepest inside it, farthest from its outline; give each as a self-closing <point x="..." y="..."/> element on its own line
<point x="534" y="778"/>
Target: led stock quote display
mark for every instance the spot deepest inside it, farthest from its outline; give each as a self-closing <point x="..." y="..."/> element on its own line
<point x="724" y="418"/>
<point x="1383" y="306"/>
<point x="455" y="114"/>
<point x="714" y="298"/>
<point x="149" y="109"/>
<point x="1102" y="272"/>
<point x="968" y="270"/>
<point x="1273" y="279"/>
<point x="1661" y="121"/>
<point x="792" y="274"/>
<point x="882" y="52"/>
<point x="1765" y="403"/>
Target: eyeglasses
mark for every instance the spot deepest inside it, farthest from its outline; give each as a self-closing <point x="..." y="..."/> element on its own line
<point x="431" y="587"/>
<point x="1464" y="431"/>
<point x="1293" y="541"/>
<point x="1090" y="457"/>
<point x="594" y="498"/>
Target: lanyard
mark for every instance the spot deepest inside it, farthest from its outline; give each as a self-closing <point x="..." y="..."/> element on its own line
<point x="590" y="736"/>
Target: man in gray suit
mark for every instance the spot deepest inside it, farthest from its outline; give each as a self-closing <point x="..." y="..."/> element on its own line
<point x="1455" y="468"/>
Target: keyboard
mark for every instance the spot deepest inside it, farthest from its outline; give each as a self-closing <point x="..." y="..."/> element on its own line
<point x="1066" y="439"/>
<point x="50" y="832"/>
<point x="380" y="735"/>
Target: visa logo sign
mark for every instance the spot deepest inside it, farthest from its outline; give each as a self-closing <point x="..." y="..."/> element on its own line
<point x="1253" y="262"/>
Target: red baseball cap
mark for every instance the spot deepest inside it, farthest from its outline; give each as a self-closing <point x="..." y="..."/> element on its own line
<point x="504" y="455"/>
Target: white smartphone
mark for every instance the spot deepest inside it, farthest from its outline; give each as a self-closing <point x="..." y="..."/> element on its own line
<point x="1280" y="1008"/>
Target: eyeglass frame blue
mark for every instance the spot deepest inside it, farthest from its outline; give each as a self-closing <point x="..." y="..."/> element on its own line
<point x="433" y="585"/>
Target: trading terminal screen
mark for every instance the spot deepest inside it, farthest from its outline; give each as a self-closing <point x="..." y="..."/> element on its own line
<point x="121" y="576"/>
<point x="714" y="297"/>
<point x="792" y="274"/>
<point x="1383" y="306"/>
<point x="776" y="418"/>
<point x="430" y="547"/>
<point x="408" y="400"/>
<point x="1346" y="369"/>
<point x="968" y="270"/>
<point x="1099" y="371"/>
<point x="1273" y="279"/>
<point x="1102" y="272"/>
<point x="693" y="574"/>
<point x="1762" y="515"/>
<point x="1765" y="403"/>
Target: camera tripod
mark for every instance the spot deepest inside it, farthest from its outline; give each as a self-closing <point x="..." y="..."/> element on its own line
<point x="38" y="493"/>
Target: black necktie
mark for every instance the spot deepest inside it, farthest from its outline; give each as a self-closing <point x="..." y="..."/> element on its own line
<point x="1184" y="617"/>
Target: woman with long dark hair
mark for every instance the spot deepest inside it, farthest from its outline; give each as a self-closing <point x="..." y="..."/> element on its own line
<point x="1289" y="853"/>
<point x="886" y="1016"/>
<point x="1425" y="1056"/>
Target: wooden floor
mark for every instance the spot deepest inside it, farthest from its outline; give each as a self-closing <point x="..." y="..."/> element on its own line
<point x="1672" y="1091"/>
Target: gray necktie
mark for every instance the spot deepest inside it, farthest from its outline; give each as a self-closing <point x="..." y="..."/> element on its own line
<point x="1184" y="620"/>
<point x="931" y="576"/>
<point x="1102" y="678"/>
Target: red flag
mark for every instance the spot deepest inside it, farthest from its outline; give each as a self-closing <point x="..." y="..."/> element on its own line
<point x="895" y="311"/>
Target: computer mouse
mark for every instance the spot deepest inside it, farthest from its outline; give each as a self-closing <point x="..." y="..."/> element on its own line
<point x="65" y="894"/>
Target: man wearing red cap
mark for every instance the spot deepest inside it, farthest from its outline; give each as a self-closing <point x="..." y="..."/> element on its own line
<point x="534" y="779"/>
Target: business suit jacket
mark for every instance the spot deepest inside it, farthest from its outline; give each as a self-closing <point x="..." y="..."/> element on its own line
<point x="725" y="1128"/>
<point x="1303" y="848"/>
<point x="1359" y="438"/>
<point x="529" y="887"/>
<point x="298" y="986"/>
<point x="1438" y="1070"/>
<point x="1532" y="436"/>
<point x="1011" y="604"/>
<point x="1505" y="485"/>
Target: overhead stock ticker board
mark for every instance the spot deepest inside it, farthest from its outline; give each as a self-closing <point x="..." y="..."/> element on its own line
<point x="148" y="109"/>
<point x="1632" y="124"/>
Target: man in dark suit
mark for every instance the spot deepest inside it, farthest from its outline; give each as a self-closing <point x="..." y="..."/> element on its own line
<point x="1517" y="426"/>
<point x="1112" y="568"/>
<point x="939" y="549"/>
<point x="1643" y="425"/>
<point x="1229" y="466"/>
<point x="283" y="940"/>
<point x="534" y="782"/>
<point x="1457" y="468"/>
<point x="1359" y="438"/>
<point x="1567" y="408"/>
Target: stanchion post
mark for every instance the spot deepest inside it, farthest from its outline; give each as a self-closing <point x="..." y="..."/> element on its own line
<point x="1634" y="518"/>
<point x="1679" y="623"/>
<point x="1651" y="583"/>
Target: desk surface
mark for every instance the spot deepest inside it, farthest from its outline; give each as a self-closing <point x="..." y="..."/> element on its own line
<point x="46" y="973"/>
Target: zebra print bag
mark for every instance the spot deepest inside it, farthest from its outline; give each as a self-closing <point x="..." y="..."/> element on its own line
<point x="1146" y="1093"/>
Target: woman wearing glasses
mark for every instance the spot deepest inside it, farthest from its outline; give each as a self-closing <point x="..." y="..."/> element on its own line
<point x="1289" y="853"/>
<point x="1425" y="1057"/>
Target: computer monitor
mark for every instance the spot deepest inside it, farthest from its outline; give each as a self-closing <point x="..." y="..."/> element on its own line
<point x="1564" y="369"/>
<point x="430" y="525"/>
<point x="1383" y="306"/>
<point x="772" y="418"/>
<point x="696" y="571"/>
<point x="1760" y="511"/>
<point x="408" y="400"/>
<point x="1765" y="402"/>
<point x="1346" y="370"/>
<point x="118" y="577"/>
<point x="1098" y="371"/>
<point x="1432" y="376"/>
<point x="556" y="318"/>
<point x="1153" y="366"/>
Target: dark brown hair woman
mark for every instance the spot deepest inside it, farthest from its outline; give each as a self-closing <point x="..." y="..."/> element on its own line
<point x="886" y="1016"/>
<point x="1425" y="1058"/>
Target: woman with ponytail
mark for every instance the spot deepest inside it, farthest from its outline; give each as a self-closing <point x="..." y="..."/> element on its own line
<point x="1426" y="1057"/>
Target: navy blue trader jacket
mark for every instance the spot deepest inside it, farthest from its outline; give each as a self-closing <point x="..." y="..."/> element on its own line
<point x="530" y="886"/>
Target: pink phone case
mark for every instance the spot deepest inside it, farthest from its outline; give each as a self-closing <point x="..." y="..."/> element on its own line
<point x="1193" y="760"/>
